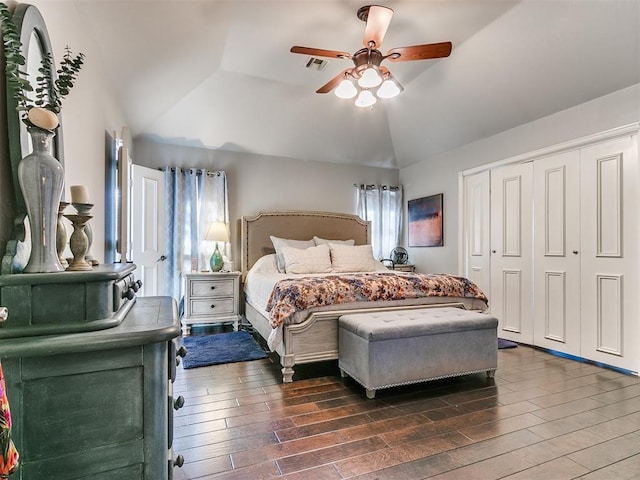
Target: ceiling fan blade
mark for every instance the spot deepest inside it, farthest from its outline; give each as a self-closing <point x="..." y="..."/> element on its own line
<point x="319" y="52"/>
<point x="419" y="52"/>
<point x="334" y="82"/>
<point x="378" y="19"/>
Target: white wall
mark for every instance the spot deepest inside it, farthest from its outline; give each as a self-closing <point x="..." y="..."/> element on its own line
<point x="265" y="183"/>
<point x="440" y="173"/>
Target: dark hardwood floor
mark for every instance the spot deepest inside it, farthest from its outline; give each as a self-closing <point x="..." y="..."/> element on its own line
<point x="541" y="417"/>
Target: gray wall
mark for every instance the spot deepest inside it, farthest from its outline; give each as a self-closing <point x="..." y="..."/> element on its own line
<point x="259" y="183"/>
<point x="440" y="174"/>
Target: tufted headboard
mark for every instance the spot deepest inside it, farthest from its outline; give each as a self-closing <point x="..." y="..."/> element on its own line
<point x="297" y="225"/>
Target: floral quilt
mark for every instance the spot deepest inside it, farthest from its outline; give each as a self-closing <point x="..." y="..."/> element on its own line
<point x="292" y="295"/>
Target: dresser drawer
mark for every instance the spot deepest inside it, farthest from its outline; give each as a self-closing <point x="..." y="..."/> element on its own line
<point x="212" y="288"/>
<point x="212" y="306"/>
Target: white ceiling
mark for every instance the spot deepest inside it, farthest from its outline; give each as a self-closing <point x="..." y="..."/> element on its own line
<point x="218" y="74"/>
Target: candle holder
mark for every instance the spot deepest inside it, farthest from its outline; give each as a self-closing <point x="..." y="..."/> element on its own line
<point x="79" y="243"/>
<point x="61" y="235"/>
<point x="85" y="209"/>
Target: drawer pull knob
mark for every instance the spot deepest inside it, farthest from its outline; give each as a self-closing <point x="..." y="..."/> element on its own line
<point x="213" y="306"/>
<point x="213" y="287"/>
<point x="182" y="351"/>
<point x="179" y="461"/>
<point x="178" y="403"/>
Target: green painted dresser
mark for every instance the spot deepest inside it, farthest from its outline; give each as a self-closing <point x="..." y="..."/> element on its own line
<point x="89" y="371"/>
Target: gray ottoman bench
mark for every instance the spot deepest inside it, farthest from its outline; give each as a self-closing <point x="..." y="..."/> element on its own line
<point x="399" y="347"/>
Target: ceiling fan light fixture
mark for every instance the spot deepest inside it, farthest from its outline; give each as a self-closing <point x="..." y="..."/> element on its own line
<point x="370" y="78"/>
<point x="365" y="99"/>
<point x="346" y="89"/>
<point x="389" y="88"/>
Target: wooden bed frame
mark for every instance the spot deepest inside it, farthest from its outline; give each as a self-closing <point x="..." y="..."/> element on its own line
<point x="316" y="338"/>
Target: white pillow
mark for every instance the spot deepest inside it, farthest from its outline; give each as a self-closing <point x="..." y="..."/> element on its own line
<point x="359" y="258"/>
<point x="322" y="241"/>
<point x="266" y="264"/>
<point x="279" y="243"/>
<point x="309" y="260"/>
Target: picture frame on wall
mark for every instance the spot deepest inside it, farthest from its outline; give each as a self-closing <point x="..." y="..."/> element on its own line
<point x="426" y="225"/>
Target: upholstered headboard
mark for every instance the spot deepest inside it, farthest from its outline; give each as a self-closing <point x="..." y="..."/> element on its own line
<point x="297" y="226"/>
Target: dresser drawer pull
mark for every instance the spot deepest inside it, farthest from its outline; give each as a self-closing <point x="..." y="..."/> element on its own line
<point x="179" y="461"/>
<point x="213" y="287"/>
<point x="178" y="403"/>
<point x="213" y="306"/>
<point x="182" y="351"/>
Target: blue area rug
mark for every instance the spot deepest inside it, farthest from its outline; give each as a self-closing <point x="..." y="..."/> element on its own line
<point x="502" y="343"/>
<point x="203" y="350"/>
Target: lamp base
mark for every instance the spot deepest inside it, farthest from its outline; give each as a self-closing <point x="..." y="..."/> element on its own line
<point x="216" y="262"/>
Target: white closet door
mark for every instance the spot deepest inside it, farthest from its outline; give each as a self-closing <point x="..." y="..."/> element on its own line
<point x="477" y="246"/>
<point x="556" y="196"/>
<point x="610" y="199"/>
<point x="511" y="251"/>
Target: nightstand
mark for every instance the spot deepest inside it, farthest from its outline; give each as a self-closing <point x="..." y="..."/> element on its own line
<point x="402" y="267"/>
<point x="211" y="298"/>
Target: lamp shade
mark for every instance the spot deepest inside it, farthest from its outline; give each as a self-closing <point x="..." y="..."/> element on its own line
<point x="217" y="232"/>
<point x="365" y="99"/>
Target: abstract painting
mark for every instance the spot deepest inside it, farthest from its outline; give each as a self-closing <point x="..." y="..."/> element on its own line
<point x="425" y="222"/>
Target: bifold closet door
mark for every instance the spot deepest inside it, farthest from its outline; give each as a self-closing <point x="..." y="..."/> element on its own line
<point x="610" y="205"/>
<point x="556" y="318"/>
<point x="477" y="266"/>
<point x="511" y="251"/>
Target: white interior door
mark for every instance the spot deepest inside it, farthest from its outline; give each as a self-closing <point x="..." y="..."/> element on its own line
<point x="610" y="198"/>
<point x="147" y="229"/>
<point x="511" y="251"/>
<point x="477" y="248"/>
<point x="556" y="181"/>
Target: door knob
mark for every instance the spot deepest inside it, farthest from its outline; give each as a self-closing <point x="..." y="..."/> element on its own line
<point x="162" y="258"/>
<point x="575" y="252"/>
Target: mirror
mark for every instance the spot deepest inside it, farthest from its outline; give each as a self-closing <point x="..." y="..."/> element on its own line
<point x="35" y="41"/>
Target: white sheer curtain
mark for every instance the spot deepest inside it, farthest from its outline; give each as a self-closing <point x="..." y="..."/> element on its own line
<point x="382" y="206"/>
<point x="194" y="199"/>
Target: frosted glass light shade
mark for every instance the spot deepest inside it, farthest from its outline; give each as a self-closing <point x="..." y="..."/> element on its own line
<point x="346" y="89"/>
<point x="370" y="78"/>
<point x="365" y="99"/>
<point x="388" y="89"/>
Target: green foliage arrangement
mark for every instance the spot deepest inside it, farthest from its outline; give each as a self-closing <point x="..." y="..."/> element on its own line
<point x="48" y="94"/>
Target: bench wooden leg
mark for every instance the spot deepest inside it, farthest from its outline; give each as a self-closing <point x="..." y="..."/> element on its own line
<point x="343" y="374"/>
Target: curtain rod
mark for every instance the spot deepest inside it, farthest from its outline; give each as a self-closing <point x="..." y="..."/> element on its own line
<point x="216" y="173"/>
<point x="371" y="187"/>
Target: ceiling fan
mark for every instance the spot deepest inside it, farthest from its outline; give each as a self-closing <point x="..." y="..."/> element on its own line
<point x="367" y="76"/>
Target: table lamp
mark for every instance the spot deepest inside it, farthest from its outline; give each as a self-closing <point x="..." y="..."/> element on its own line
<point x="217" y="232"/>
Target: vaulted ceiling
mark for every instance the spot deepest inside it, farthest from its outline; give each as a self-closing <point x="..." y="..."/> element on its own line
<point x="218" y="74"/>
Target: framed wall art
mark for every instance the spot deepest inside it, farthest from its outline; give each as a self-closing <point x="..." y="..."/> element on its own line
<point x="425" y="221"/>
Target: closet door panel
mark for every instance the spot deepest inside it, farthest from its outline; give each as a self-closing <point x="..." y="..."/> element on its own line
<point x="476" y="236"/>
<point x="610" y="199"/>
<point x="511" y="251"/>
<point x="557" y="252"/>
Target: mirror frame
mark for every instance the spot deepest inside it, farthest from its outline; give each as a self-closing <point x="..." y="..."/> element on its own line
<point x="29" y="21"/>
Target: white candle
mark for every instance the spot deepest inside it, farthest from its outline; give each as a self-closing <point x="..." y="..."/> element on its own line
<point x="79" y="194"/>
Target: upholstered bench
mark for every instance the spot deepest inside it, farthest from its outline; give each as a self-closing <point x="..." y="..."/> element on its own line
<point x="391" y="348"/>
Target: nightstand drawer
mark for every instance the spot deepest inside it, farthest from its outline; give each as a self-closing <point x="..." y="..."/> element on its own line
<point x="212" y="288"/>
<point x="212" y="306"/>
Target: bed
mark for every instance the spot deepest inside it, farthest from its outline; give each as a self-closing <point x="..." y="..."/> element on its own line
<point x="313" y="337"/>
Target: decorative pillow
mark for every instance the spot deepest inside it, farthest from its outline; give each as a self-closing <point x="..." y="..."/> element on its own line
<point x="359" y="258"/>
<point x="279" y="243"/>
<point x="309" y="260"/>
<point x="322" y="241"/>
